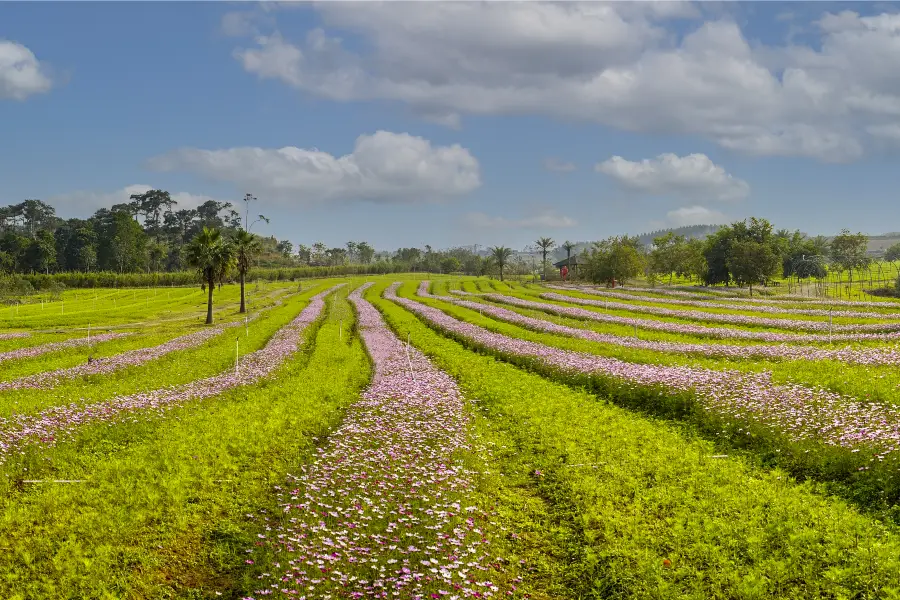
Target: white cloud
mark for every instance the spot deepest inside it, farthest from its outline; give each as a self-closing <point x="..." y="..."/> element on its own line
<point x="558" y="166"/>
<point x="695" y="215"/>
<point x="84" y="203"/>
<point x="548" y="219"/>
<point x="693" y="176"/>
<point x="384" y="167"/>
<point x="611" y="63"/>
<point x="244" y="23"/>
<point x="21" y="74"/>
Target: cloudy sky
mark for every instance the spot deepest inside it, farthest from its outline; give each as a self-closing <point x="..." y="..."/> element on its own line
<point x="460" y="123"/>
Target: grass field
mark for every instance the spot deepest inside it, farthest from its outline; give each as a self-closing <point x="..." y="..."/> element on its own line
<point x="411" y="436"/>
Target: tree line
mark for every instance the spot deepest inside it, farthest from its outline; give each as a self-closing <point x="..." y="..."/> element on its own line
<point x="745" y="253"/>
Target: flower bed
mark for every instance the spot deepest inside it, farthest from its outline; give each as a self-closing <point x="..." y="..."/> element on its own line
<point x="867" y="356"/>
<point x="697" y="315"/>
<point x="682" y="328"/>
<point x="57" y="346"/>
<point x="813" y="312"/>
<point x="381" y="512"/>
<point x="46" y="427"/>
<point x="793" y="413"/>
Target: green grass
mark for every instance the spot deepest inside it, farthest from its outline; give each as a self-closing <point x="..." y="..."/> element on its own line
<point x="636" y="508"/>
<point x="207" y="359"/>
<point x="161" y="513"/>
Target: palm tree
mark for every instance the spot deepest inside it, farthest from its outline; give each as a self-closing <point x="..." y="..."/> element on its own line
<point x="501" y="255"/>
<point x="544" y="244"/>
<point x="568" y="247"/>
<point x="246" y="246"/>
<point x="212" y="257"/>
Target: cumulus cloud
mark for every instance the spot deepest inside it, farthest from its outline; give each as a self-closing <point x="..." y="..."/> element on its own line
<point x="21" y="74"/>
<point x="692" y="176"/>
<point x="695" y="215"/>
<point x="81" y="203"/>
<point x="548" y="219"/>
<point x="558" y="166"/>
<point x="384" y="167"/>
<point x="618" y="64"/>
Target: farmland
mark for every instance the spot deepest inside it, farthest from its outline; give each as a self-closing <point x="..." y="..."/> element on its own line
<point x="416" y="436"/>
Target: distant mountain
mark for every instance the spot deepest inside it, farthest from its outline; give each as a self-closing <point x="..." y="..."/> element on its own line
<point x="690" y="232"/>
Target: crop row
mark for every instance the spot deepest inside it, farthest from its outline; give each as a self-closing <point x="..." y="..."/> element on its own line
<point x="379" y="511"/>
<point x="844" y="434"/>
<point x="45" y="427"/>
<point x="732" y="319"/>
<point x="636" y="508"/>
<point x="32" y="351"/>
<point x="681" y="328"/>
<point x="814" y="312"/>
<point x="868" y="356"/>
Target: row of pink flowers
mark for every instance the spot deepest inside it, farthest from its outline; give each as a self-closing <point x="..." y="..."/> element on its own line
<point x="33" y="351"/>
<point x="747" y="320"/>
<point x="381" y="511"/>
<point x="740" y="295"/>
<point x="865" y="356"/>
<point x="110" y="364"/>
<point x="48" y="426"/>
<point x="814" y="312"/>
<point x="795" y="411"/>
<point x="14" y="335"/>
<point x="684" y="328"/>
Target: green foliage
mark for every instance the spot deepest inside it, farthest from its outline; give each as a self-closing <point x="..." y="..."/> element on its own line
<point x="640" y="509"/>
<point x="892" y="254"/>
<point x="500" y="255"/>
<point x="848" y="251"/>
<point x="752" y="262"/>
<point x="614" y="259"/>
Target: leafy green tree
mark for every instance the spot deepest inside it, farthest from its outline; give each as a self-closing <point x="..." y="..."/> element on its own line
<point x="41" y="253"/>
<point x="750" y="261"/>
<point x="212" y="256"/>
<point x="892" y="254"/>
<point x="501" y="256"/>
<point x="246" y="246"/>
<point x="285" y="248"/>
<point x="614" y="259"/>
<point x="450" y="264"/>
<point x="365" y="252"/>
<point x="545" y="244"/>
<point x="849" y="252"/>
<point x="668" y="255"/>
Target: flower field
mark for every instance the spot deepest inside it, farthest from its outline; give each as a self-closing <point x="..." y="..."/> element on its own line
<point x="408" y="436"/>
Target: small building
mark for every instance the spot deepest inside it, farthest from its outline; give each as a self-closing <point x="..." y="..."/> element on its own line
<point x="570" y="265"/>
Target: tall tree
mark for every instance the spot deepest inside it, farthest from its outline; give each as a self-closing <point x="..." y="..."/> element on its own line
<point x="752" y="262"/>
<point x="544" y="244"/>
<point x="246" y="246"/>
<point x="365" y="252"/>
<point x="848" y="252"/>
<point x="615" y="259"/>
<point x="501" y="255"/>
<point x="892" y="254"/>
<point x="212" y="256"/>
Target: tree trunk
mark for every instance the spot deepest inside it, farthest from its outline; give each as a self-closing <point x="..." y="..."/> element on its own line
<point x="209" y="319"/>
<point x="751" y="290"/>
<point x="501" y="273"/>
<point x="243" y="306"/>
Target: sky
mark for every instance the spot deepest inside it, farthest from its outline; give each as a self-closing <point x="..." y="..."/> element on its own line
<point x="454" y="123"/>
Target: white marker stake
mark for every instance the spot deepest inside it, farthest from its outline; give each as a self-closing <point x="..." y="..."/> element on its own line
<point x="247" y="325"/>
<point x="341" y="331"/>
<point x="237" y="344"/>
<point x="89" y="333"/>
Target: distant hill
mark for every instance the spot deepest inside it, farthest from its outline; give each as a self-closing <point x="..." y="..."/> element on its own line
<point x="690" y="232"/>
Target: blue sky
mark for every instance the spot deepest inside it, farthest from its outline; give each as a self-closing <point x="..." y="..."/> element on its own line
<point x="481" y="123"/>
